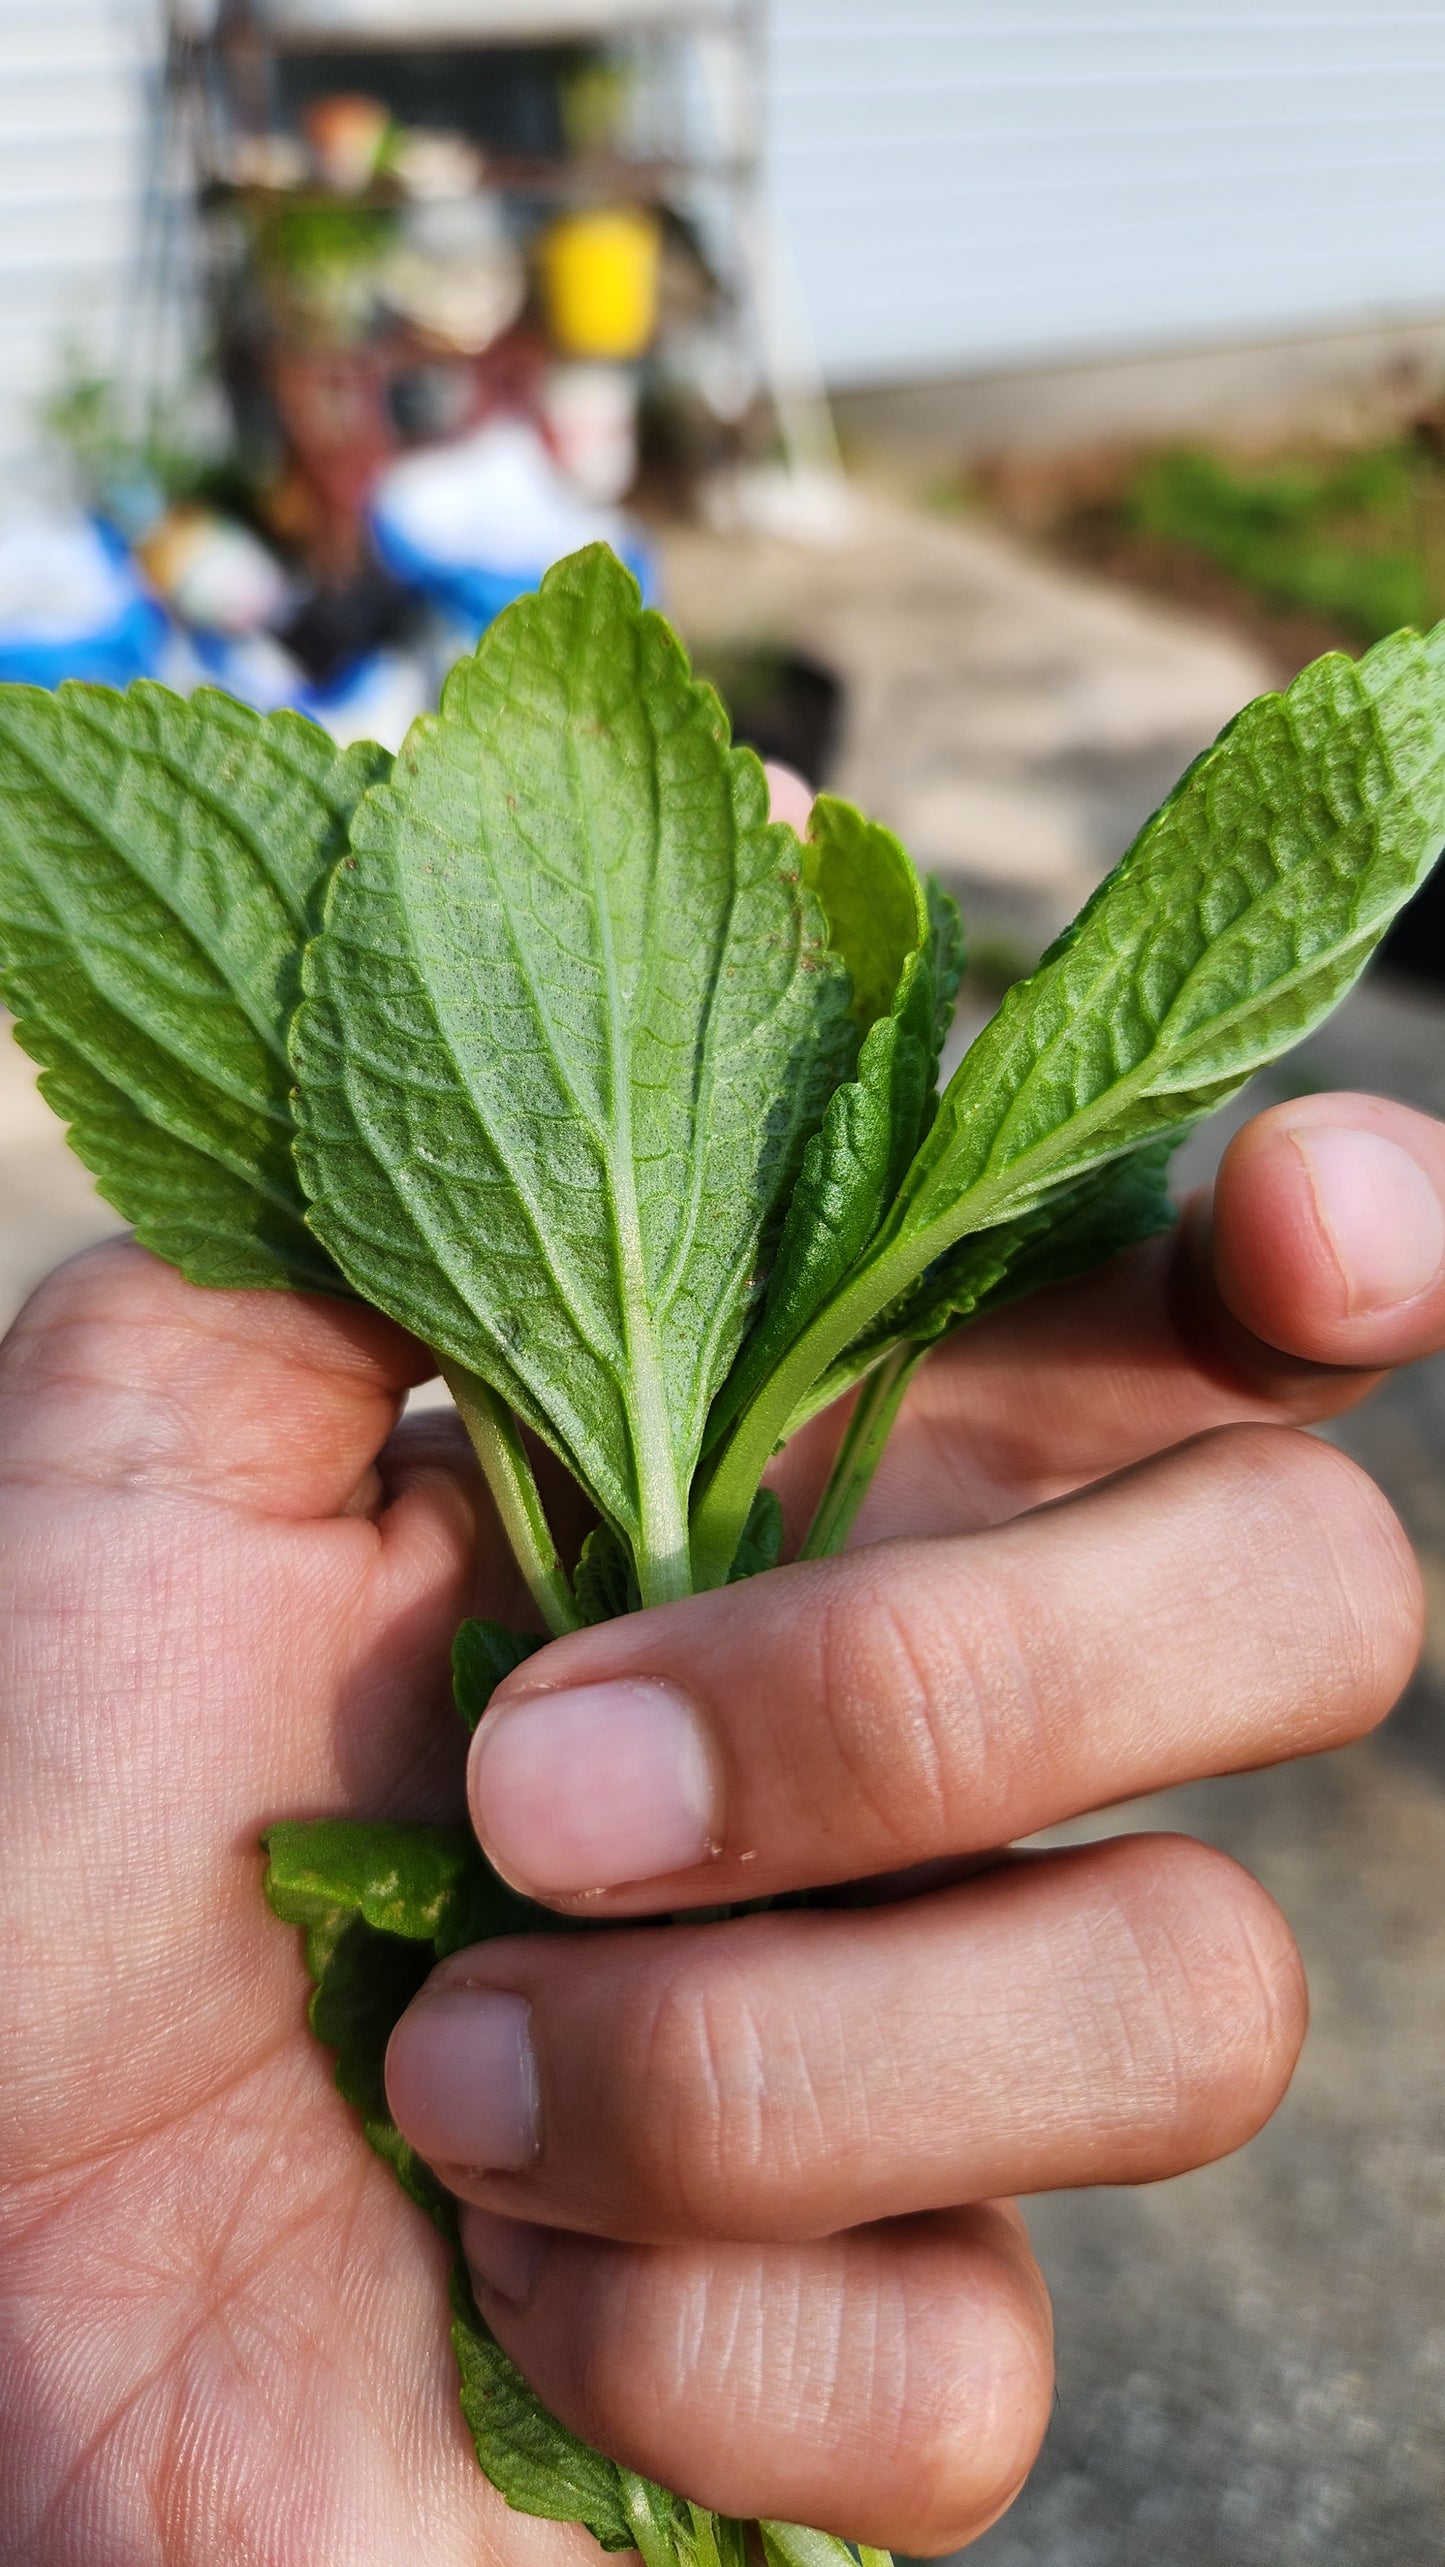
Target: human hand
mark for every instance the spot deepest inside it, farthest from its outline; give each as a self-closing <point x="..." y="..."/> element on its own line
<point x="228" y="1596"/>
<point x="742" y="2264"/>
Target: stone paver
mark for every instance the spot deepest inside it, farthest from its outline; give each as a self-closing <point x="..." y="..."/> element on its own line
<point x="1252" y="2359"/>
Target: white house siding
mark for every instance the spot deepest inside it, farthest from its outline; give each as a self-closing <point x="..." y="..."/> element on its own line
<point x="960" y="184"/>
<point x="75" y="78"/>
<point x="965" y="184"/>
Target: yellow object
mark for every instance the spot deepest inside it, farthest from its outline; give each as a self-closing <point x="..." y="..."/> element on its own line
<point x="599" y="282"/>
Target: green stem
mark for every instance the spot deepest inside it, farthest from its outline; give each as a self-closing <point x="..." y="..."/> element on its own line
<point x="500" y="1450"/>
<point x="861" y="1451"/>
<point x="656" y="2540"/>
<point x="791" y="2544"/>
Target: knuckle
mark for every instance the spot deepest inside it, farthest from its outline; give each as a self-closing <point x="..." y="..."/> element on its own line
<point x="703" y="2154"/>
<point x="906" y="2381"/>
<point x="1221" y="2007"/>
<point x="908" y="1648"/>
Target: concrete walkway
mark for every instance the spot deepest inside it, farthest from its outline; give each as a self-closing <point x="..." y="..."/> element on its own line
<point x="1013" y="722"/>
<point x="1251" y="2360"/>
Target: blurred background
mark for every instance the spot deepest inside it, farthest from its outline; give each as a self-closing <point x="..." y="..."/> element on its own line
<point x="997" y="397"/>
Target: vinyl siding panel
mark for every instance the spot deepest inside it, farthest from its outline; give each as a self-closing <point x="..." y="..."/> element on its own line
<point x="959" y="184"/>
<point x="976" y="185"/>
<point x="76" y="78"/>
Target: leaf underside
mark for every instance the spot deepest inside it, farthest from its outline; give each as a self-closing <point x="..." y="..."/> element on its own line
<point x="882" y="921"/>
<point x="570" y="1027"/>
<point x="161" y="864"/>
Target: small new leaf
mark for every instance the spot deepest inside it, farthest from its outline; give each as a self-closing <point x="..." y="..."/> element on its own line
<point x="606" y="1577"/>
<point x="881" y="920"/>
<point x="1245" y="908"/>
<point x="482" y="1654"/>
<point x="161" y="865"/>
<point x="762" y="1544"/>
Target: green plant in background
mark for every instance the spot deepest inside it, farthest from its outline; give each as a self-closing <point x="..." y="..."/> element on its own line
<point x="124" y="468"/>
<point x="545" y="1041"/>
<point x="1353" y="538"/>
<point x="319" y="263"/>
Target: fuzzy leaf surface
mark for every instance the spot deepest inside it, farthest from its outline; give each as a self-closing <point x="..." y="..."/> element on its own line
<point x="161" y="866"/>
<point x="571" y="1025"/>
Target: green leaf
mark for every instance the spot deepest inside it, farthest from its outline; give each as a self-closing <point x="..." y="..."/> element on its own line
<point x="1243" y="911"/>
<point x="790" y="2544"/>
<point x="569" y="1030"/>
<point x="482" y="1654"/>
<point x="426" y="1884"/>
<point x="879" y="921"/>
<point x="529" y="2456"/>
<point x="380" y="1904"/>
<point x="1113" y="1208"/>
<point x="762" y="1544"/>
<point x="606" y="1576"/>
<point x="161" y="865"/>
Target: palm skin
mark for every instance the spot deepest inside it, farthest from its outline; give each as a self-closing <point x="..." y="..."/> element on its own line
<point x="222" y="2325"/>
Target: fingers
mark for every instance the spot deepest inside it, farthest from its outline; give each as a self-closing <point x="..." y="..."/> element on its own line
<point x="1280" y="1305"/>
<point x="1106" y="2016"/>
<point x="121" y="1373"/>
<point x="892" y="2386"/>
<point x="790" y="798"/>
<point x="1329" y="1231"/>
<point x="1245" y="1598"/>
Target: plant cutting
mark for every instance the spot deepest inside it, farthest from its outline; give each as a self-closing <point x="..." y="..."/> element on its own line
<point x="544" y="1041"/>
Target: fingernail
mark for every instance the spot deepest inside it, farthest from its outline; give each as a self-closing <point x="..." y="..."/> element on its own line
<point x="594" y="1787"/>
<point x="504" y="2255"/>
<point x="462" y="2081"/>
<point x="1381" y="1214"/>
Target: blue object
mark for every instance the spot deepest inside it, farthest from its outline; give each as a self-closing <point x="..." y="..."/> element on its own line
<point x="127" y="639"/>
<point x="474" y="596"/>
